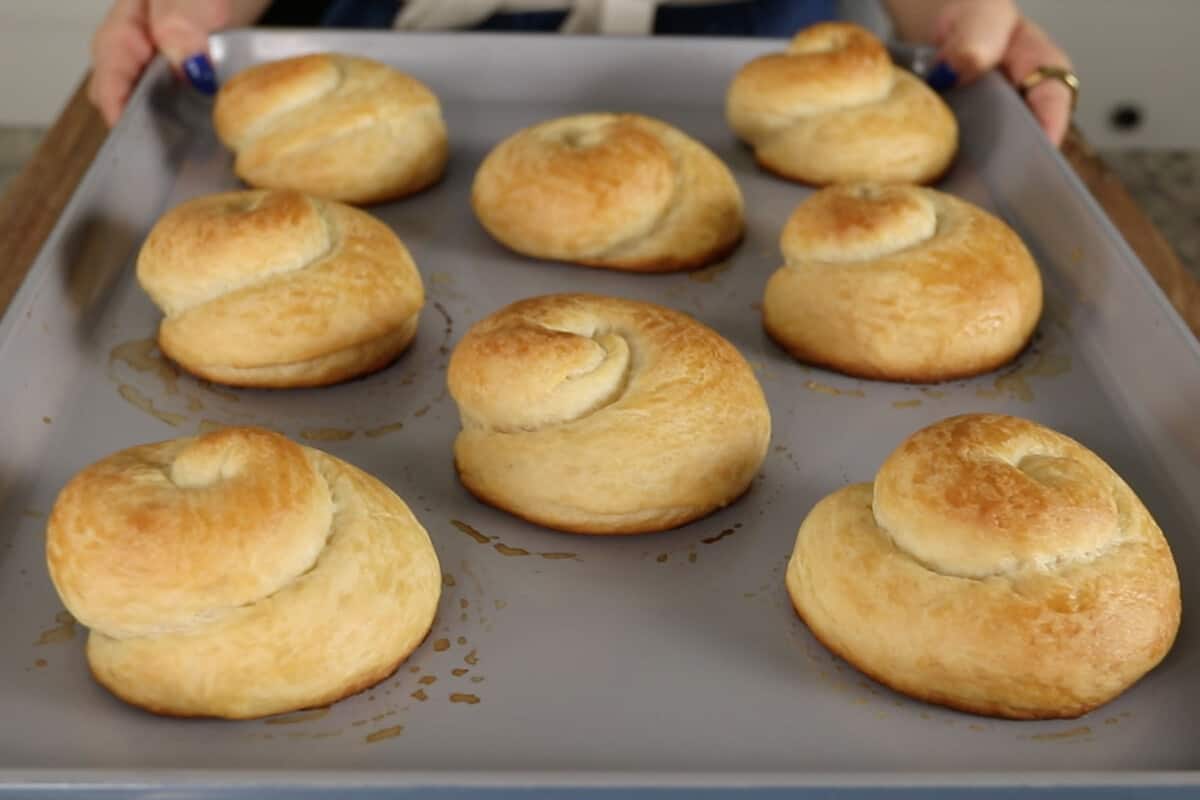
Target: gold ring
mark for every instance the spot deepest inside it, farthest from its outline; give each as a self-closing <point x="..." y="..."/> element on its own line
<point x="1061" y="74"/>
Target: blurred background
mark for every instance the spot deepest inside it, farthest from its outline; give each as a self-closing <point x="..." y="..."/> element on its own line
<point x="1135" y="60"/>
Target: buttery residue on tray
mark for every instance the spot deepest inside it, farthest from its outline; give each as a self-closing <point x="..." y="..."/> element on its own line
<point x="710" y="273"/>
<point x="419" y="695"/>
<point x="1015" y="384"/>
<point x="815" y="386"/>
<point x="444" y="348"/>
<point x="327" y="434"/>
<point x="384" y="733"/>
<point x="787" y="453"/>
<point x="906" y="403"/>
<point x="463" y="697"/>
<point x="427" y="680"/>
<point x="508" y="550"/>
<point x="722" y="534"/>
<point x="139" y="400"/>
<point x="142" y="355"/>
<point x="300" y="716"/>
<point x="441" y="645"/>
<point x="64" y="631"/>
<point x="470" y="531"/>
<point x="1057" y="736"/>
<point x="383" y="430"/>
<point x="931" y="392"/>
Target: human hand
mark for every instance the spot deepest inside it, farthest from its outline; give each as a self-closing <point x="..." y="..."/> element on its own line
<point x="135" y="30"/>
<point x="974" y="36"/>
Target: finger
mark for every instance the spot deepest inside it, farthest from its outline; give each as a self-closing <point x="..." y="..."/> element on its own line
<point x="120" y="56"/>
<point x="1029" y="49"/>
<point x="974" y="36"/>
<point x="1050" y="103"/>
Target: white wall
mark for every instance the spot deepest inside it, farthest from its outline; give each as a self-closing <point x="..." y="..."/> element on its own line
<point x="1143" y="52"/>
<point x="43" y="55"/>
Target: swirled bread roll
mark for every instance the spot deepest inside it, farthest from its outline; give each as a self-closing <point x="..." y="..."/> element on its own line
<point x="275" y="289"/>
<point x="833" y="109"/>
<point x="995" y="566"/>
<point x="621" y="191"/>
<point x="901" y="283"/>
<point x="600" y="415"/>
<point x="239" y="574"/>
<point x="335" y="126"/>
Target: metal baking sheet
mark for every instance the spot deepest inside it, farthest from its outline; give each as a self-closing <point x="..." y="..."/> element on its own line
<point x="659" y="663"/>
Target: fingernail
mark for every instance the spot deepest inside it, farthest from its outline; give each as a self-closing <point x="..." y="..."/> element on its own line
<point x="200" y="73"/>
<point x="941" y="77"/>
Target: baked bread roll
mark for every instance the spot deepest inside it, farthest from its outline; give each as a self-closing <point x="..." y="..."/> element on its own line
<point x="239" y="574"/>
<point x="996" y="567"/>
<point x="275" y="289"/>
<point x="600" y="415"/>
<point x="335" y="126"/>
<point x="620" y="191"/>
<point x="901" y="283"/>
<point x="833" y="109"/>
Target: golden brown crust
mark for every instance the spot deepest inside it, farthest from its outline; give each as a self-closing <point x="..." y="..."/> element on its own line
<point x="901" y="283"/>
<point x="833" y="109"/>
<point x="275" y="289"/>
<point x="994" y="566"/>
<point x="239" y="575"/>
<point x="600" y="415"/>
<point x="341" y="127"/>
<point x="617" y="191"/>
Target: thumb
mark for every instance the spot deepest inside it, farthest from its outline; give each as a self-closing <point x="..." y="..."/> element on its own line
<point x="973" y="36"/>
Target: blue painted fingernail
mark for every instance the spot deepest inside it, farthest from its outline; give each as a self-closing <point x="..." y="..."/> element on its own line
<point x="200" y="73"/>
<point x="941" y="77"/>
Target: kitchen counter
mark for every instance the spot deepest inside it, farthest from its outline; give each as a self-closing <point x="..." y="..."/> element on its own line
<point x="1166" y="185"/>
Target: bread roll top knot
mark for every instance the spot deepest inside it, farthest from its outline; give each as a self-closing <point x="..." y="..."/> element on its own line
<point x="828" y="66"/>
<point x="229" y="240"/>
<point x="859" y="222"/>
<point x="275" y="288"/>
<point x="597" y="180"/>
<point x="984" y="495"/>
<point x="598" y="414"/>
<point x="832" y="108"/>
<point x="994" y="566"/>
<point x="332" y="125"/>
<point x="523" y="374"/>
<point x="622" y="191"/>
<point x="252" y="100"/>
<point x="184" y="531"/>
<point x="600" y="165"/>
<point x="901" y="283"/>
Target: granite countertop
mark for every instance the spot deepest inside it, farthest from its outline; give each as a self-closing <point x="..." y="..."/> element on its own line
<point x="1165" y="183"/>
